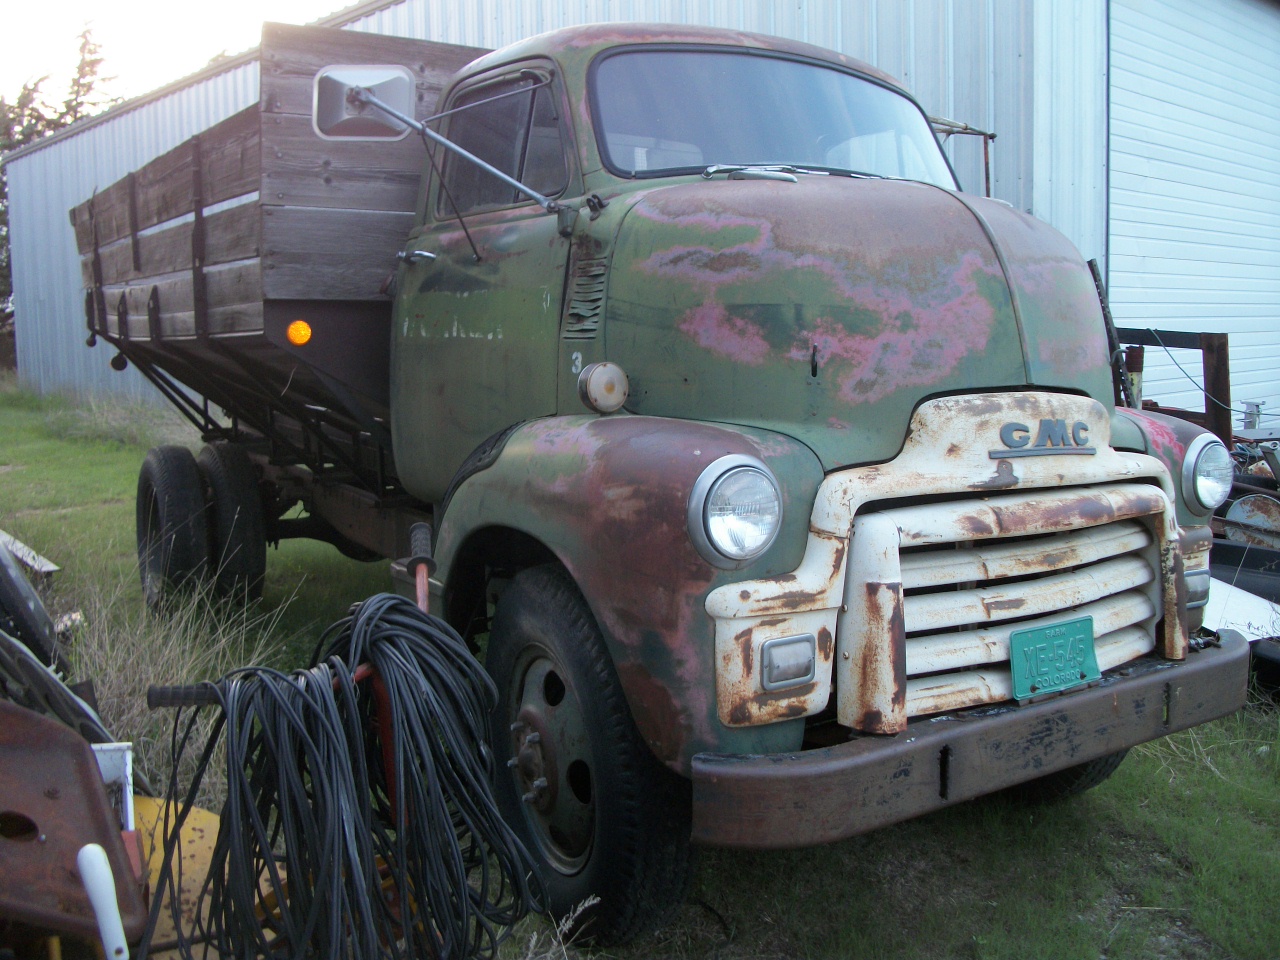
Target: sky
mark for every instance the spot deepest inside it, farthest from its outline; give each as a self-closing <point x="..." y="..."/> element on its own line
<point x="145" y="43"/>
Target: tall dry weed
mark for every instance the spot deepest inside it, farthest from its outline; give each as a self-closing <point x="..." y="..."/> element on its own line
<point x="125" y="648"/>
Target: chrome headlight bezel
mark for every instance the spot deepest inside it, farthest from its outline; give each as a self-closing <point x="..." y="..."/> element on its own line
<point x="699" y="497"/>
<point x="1203" y="446"/>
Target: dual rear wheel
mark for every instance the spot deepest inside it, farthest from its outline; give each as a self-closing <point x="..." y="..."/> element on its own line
<point x="200" y="520"/>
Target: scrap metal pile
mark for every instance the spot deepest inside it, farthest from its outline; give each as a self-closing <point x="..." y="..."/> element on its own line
<point x="359" y="819"/>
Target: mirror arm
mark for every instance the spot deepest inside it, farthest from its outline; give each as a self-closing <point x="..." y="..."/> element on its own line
<point x="360" y="95"/>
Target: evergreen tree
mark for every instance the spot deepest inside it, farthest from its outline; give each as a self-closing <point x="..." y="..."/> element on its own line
<point x="29" y="116"/>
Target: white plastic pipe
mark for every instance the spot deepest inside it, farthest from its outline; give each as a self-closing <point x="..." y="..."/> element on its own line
<point x="100" y="885"/>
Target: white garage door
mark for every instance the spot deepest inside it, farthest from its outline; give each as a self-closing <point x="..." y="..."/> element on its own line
<point x="1195" y="186"/>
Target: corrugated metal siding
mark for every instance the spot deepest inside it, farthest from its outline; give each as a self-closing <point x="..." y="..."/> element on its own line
<point x="1195" y="185"/>
<point x="1069" y="146"/>
<point x="970" y="60"/>
<point x="43" y="186"/>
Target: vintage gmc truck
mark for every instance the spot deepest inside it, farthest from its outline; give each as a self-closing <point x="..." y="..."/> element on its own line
<point x="785" y="485"/>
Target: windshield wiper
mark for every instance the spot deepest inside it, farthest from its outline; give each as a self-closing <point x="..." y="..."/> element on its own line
<point x="857" y="174"/>
<point x="785" y="170"/>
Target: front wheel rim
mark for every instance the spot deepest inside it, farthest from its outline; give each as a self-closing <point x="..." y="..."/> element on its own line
<point x="551" y="763"/>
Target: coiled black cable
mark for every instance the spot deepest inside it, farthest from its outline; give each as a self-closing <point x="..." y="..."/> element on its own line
<point x="359" y="820"/>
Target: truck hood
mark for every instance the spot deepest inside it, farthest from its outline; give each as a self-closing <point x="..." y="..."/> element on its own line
<point x="828" y="309"/>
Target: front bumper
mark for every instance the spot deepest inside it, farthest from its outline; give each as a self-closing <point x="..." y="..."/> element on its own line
<point x="816" y="796"/>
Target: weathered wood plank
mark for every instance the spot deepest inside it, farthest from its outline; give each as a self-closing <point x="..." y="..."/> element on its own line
<point x="291" y="57"/>
<point x="230" y="320"/>
<point x="300" y="169"/>
<point x="313" y="253"/>
<point x="230" y="235"/>
<point x="232" y="157"/>
<point x="230" y="167"/>
<point x="234" y="296"/>
<point x="162" y="190"/>
<point x="109" y="209"/>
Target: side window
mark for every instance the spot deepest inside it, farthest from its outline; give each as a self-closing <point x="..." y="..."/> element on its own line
<point x="512" y="125"/>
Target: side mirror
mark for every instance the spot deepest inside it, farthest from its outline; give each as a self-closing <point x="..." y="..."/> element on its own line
<point x="336" y="115"/>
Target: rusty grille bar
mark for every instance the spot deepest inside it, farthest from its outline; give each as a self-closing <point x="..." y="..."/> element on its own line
<point x="934" y="592"/>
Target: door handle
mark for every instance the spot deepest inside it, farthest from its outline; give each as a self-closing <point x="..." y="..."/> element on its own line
<point x="414" y="256"/>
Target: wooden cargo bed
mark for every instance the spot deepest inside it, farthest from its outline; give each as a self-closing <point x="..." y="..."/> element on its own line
<point x="194" y="265"/>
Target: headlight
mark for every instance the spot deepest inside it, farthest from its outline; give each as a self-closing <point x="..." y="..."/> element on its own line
<point x="735" y="510"/>
<point x="1207" y="473"/>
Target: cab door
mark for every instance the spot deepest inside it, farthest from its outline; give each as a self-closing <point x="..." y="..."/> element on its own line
<point x="482" y="284"/>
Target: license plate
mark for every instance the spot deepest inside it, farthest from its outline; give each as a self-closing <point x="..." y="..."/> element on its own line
<point x="1053" y="658"/>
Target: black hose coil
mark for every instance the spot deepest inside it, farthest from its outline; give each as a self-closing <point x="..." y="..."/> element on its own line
<point x="392" y="851"/>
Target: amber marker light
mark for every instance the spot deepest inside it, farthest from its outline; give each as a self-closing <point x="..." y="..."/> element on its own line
<point x="298" y="333"/>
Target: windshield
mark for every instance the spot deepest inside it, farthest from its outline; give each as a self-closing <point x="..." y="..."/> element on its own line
<point x="680" y="111"/>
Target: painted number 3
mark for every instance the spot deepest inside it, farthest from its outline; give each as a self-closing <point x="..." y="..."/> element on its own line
<point x="577" y="362"/>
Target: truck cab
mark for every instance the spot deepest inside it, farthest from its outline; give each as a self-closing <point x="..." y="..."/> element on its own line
<point x="869" y="482"/>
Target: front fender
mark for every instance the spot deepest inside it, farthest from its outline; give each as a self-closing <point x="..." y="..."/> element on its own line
<point x="608" y="496"/>
<point x="1167" y="438"/>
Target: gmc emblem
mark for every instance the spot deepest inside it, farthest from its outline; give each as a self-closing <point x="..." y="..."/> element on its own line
<point x="1052" y="438"/>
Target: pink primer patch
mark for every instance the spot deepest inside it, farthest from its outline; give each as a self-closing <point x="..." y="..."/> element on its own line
<point x="912" y="340"/>
<point x="916" y="342"/>
<point x="1162" y="436"/>
<point x="734" y="338"/>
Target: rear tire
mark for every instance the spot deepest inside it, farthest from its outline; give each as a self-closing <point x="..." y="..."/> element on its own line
<point x="237" y="541"/>
<point x="609" y="821"/>
<point x="173" y="545"/>
<point x="1069" y="782"/>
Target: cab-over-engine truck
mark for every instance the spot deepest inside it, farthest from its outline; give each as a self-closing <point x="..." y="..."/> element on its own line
<point x="789" y="484"/>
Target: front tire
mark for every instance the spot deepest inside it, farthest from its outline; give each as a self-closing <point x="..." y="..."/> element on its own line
<point x="1069" y="782"/>
<point x="599" y="814"/>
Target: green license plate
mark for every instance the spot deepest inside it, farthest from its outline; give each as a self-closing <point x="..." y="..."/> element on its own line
<point x="1049" y="659"/>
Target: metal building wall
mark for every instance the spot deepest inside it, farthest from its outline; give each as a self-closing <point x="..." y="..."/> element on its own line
<point x="1195" y="187"/>
<point x="1068" y="148"/>
<point x="45" y="184"/>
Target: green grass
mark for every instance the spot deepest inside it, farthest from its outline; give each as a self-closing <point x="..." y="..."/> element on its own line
<point x="1177" y="856"/>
